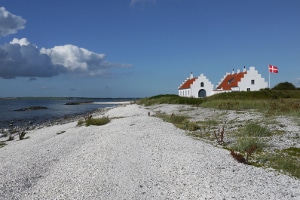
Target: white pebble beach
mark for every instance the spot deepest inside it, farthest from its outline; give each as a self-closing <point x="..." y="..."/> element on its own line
<point x="135" y="156"/>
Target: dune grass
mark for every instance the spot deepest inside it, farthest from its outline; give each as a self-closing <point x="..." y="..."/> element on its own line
<point x="270" y="102"/>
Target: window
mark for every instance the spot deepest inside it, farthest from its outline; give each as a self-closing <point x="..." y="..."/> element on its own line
<point x="230" y="81"/>
<point x="201" y="84"/>
<point x="248" y="89"/>
<point x="252" y="82"/>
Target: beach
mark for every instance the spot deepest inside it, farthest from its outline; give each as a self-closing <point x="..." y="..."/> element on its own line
<point x="135" y="156"/>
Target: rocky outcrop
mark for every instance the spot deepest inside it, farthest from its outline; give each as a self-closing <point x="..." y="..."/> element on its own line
<point x="32" y="108"/>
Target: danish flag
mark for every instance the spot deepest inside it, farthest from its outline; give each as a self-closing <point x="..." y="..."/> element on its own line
<point x="273" y="69"/>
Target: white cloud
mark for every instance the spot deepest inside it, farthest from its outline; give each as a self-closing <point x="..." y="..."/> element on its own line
<point x="19" y="58"/>
<point x="21" y="42"/>
<point x="72" y="57"/>
<point x="10" y="23"/>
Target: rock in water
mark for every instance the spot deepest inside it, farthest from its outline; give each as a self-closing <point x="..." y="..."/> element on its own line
<point x="32" y="108"/>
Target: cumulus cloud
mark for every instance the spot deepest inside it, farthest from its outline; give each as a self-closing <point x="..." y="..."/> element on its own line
<point x="19" y="58"/>
<point x="10" y="23"/>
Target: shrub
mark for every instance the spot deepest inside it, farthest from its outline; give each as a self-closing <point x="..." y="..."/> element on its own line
<point x="284" y="86"/>
<point x="245" y="144"/>
<point x="94" y="121"/>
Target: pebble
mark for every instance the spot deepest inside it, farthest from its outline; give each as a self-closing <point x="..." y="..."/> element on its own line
<point x="135" y="156"/>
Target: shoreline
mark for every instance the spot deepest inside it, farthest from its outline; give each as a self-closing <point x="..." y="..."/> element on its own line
<point x="5" y="132"/>
<point x="135" y="156"/>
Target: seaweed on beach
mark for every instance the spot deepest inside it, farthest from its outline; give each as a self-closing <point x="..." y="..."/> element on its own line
<point x="237" y="156"/>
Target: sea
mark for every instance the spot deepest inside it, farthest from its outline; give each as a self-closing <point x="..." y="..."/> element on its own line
<point x="56" y="109"/>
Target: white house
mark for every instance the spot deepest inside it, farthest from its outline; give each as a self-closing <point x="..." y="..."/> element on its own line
<point x="196" y="87"/>
<point x="247" y="80"/>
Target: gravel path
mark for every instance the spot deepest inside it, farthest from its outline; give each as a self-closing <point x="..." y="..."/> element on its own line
<point x="133" y="157"/>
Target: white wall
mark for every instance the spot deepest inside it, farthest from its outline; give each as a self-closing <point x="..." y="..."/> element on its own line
<point x="207" y="86"/>
<point x="251" y="76"/>
<point x="184" y="93"/>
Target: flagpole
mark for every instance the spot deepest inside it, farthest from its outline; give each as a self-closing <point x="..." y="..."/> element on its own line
<point x="269" y="80"/>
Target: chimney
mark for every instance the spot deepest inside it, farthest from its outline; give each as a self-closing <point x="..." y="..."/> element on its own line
<point x="191" y="75"/>
<point x="232" y="71"/>
<point x="238" y="71"/>
<point x="244" y="69"/>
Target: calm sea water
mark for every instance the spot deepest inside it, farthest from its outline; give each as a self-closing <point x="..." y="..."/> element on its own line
<point x="56" y="109"/>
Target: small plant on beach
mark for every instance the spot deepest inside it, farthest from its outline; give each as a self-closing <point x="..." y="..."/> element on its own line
<point x="22" y="135"/>
<point x="2" y="144"/>
<point x="248" y="146"/>
<point x="60" y="132"/>
<point x="94" y="121"/>
<point x="180" y="121"/>
<point x="220" y="136"/>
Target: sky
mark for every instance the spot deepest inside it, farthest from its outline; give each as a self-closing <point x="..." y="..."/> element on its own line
<point x="141" y="48"/>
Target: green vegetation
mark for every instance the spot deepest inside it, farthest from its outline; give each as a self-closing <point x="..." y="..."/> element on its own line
<point x="244" y="144"/>
<point x="253" y="129"/>
<point x="286" y="161"/>
<point x="2" y="144"/>
<point x="247" y="142"/>
<point x="284" y="86"/>
<point x="94" y="121"/>
<point x="179" y="121"/>
<point x="169" y="99"/>
<point x="270" y="102"/>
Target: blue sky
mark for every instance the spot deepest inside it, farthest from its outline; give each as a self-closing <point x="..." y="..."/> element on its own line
<point x="140" y="48"/>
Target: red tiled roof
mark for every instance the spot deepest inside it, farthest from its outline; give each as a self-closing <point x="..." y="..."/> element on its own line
<point x="187" y="84"/>
<point x="231" y="80"/>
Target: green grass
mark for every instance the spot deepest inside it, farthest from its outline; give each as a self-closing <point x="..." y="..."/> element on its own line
<point x="94" y="121"/>
<point x="254" y="129"/>
<point x="270" y="102"/>
<point x="243" y="144"/>
<point x="179" y="121"/>
<point x="169" y="99"/>
<point x="285" y="161"/>
<point x="2" y="144"/>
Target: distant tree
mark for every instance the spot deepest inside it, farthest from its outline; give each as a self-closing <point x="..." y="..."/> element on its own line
<point x="284" y="86"/>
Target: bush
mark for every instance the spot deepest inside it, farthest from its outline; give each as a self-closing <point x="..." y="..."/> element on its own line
<point x="94" y="121"/>
<point x="284" y="86"/>
<point x="244" y="144"/>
